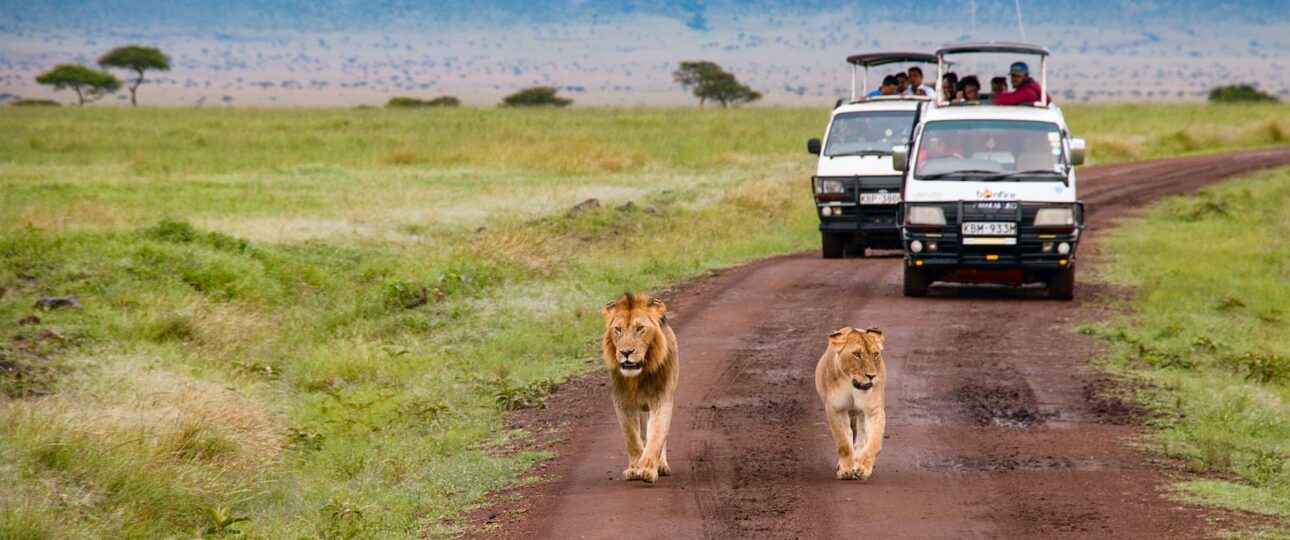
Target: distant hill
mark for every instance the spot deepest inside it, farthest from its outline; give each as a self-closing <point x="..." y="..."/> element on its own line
<point x="696" y="14"/>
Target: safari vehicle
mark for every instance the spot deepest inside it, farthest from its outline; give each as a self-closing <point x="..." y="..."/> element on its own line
<point x="857" y="192"/>
<point x="990" y="191"/>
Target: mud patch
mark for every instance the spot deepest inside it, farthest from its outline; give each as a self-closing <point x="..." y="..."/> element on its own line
<point x="1011" y="460"/>
<point x="27" y="367"/>
<point x="1003" y="403"/>
<point x="1106" y="401"/>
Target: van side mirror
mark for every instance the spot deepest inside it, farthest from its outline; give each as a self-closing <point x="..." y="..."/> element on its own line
<point x="900" y="158"/>
<point x="813" y="146"/>
<point x="1077" y="152"/>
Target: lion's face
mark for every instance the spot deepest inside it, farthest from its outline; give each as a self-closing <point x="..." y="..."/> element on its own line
<point x="632" y="324"/>
<point x="859" y="354"/>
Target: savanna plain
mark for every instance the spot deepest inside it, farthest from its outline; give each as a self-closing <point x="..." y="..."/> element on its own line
<point x="311" y="323"/>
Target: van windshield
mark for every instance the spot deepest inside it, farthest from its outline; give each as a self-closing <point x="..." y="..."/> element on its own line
<point x="991" y="149"/>
<point x="862" y="133"/>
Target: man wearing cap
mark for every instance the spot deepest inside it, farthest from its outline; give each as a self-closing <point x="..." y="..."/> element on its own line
<point x="1024" y="89"/>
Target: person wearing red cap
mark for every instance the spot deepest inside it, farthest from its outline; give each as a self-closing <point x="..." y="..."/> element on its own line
<point x="1024" y="89"/>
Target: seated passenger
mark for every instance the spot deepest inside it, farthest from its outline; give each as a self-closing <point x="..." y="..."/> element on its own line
<point x="969" y="89"/>
<point x="998" y="85"/>
<point x="1024" y="89"/>
<point x="949" y="85"/>
<point x="888" y="88"/>
<point x="902" y="83"/>
<point x="916" y="86"/>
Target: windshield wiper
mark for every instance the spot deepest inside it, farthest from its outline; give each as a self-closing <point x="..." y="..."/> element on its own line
<point x="1032" y="172"/>
<point x="863" y="153"/>
<point x="948" y="174"/>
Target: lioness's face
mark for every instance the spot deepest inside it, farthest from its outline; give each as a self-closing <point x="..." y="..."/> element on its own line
<point x="631" y="325"/>
<point x="859" y="354"/>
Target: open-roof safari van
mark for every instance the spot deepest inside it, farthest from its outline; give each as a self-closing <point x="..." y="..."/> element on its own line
<point x="856" y="190"/>
<point x="990" y="194"/>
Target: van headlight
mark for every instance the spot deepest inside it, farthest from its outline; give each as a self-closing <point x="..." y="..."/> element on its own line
<point x="925" y="215"/>
<point x="1055" y="217"/>
<point x="829" y="186"/>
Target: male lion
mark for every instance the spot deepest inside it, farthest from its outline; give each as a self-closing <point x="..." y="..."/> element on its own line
<point x="639" y="349"/>
<point x="851" y="380"/>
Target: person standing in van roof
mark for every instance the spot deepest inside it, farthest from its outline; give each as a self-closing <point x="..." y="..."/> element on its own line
<point x="916" y="86"/>
<point x="889" y="87"/>
<point x="951" y="82"/>
<point x="1024" y="89"/>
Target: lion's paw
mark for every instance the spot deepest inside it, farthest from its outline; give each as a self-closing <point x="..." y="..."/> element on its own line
<point x="864" y="472"/>
<point x="631" y="473"/>
<point x="864" y="467"/>
<point x="664" y="469"/>
<point x="647" y="475"/>
<point x="848" y="473"/>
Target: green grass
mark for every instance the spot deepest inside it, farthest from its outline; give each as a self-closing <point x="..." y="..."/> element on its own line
<point x="317" y="319"/>
<point x="1209" y="329"/>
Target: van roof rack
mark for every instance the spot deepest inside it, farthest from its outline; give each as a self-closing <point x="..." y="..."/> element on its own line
<point x="884" y="58"/>
<point x="993" y="47"/>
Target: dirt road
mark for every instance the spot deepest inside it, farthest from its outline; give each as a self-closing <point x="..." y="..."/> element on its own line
<point x="994" y="426"/>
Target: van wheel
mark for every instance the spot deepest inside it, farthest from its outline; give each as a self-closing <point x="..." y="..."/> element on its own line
<point x="833" y="245"/>
<point x="1062" y="285"/>
<point x="855" y="248"/>
<point x="917" y="280"/>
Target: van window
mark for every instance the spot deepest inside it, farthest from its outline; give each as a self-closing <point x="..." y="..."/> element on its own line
<point x="989" y="146"/>
<point x="874" y="132"/>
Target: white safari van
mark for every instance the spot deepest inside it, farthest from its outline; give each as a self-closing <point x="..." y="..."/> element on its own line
<point x="990" y="194"/>
<point x="856" y="190"/>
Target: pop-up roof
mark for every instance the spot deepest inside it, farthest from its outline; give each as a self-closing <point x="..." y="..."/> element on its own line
<point x="874" y="59"/>
<point x="994" y="47"/>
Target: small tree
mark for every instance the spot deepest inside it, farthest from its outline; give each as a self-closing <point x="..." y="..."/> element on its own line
<point x="538" y="96"/>
<point x="1239" y="93"/>
<point x="709" y="81"/>
<point x="411" y="102"/>
<point x="138" y="59"/>
<point x="89" y="84"/>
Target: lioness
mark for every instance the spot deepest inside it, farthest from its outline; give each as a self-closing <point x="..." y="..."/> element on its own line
<point x="851" y="380"/>
<point x="639" y="349"/>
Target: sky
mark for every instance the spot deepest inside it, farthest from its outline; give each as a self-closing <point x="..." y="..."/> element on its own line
<point x="285" y="53"/>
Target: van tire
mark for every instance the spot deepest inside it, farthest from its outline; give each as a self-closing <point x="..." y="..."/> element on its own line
<point x="833" y="246"/>
<point x="917" y="280"/>
<point x="1061" y="286"/>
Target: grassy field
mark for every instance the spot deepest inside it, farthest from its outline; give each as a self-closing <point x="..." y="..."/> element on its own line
<point x="1209" y="330"/>
<point x="310" y="323"/>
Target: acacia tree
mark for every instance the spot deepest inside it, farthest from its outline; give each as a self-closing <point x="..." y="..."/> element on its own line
<point x="537" y="96"/>
<point x="89" y="84"/>
<point x="139" y="59"/>
<point x="709" y="81"/>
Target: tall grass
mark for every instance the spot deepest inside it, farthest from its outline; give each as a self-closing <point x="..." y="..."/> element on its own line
<point x="316" y="320"/>
<point x="1209" y="329"/>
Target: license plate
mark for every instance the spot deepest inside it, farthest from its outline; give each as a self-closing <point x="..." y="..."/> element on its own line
<point x="989" y="228"/>
<point x="879" y="198"/>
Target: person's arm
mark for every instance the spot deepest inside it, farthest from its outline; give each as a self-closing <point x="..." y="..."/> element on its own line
<point x="1009" y="98"/>
<point x="1026" y="94"/>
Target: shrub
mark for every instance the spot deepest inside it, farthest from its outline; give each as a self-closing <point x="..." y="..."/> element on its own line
<point x="411" y="102"/>
<point x="35" y="103"/>
<point x="1239" y="93"/>
<point x="538" y="96"/>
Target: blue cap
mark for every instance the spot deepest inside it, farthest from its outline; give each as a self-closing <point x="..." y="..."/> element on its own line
<point x="1019" y="67"/>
